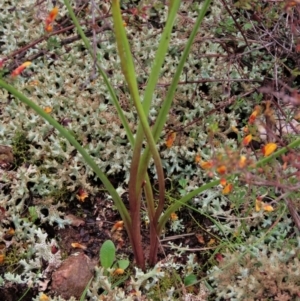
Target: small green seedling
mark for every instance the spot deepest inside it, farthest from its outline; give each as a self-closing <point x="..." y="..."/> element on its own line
<point x="108" y="255"/>
<point x="182" y="183"/>
<point x="190" y="280"/>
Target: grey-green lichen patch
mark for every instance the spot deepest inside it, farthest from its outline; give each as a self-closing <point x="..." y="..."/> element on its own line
<point x="266" y="272"/>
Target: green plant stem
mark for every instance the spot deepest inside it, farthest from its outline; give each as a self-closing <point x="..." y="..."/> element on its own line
<point x="102" y="72"/>
<point x="136" y="172"/>
<point x="130" y="76"/>
<point x="173" y="208"/>
<point x="163" y="113"/>
<point x="150" y="88"/>
<point x="88" y="159"/>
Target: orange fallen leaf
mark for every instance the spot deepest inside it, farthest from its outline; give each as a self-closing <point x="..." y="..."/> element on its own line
<point x="206" y="164"/>
<point x="77" y="245"/>
<point x="170" y="139"/>
<point x="269" y="148"/>
<point x="221" y="170"/>
<point x="252" y="117"/>
<point x="49" y="28"/>
<point x="211" y="242"/>
<point x="235" y="129"/>
<point x="19" y="70"/>
<point x="81" y="195"/>
<point x="260" y="205"/>
<point x="118" y="226"/>
<point x="254" y="114"/>
<point x="200" y="238"/>
<point x="118" y="272"/>
<point x="2" y="258"/>
<point x="223" y="182"/>
<point x="268" y="207"/>
<point x="53" y="13"/>
<point x="197" y="158"/>
<point x="227" y="189"/>
<point x="242" y="161"/>
<point x="50" y="19"/>
<point x="11" y="231"/>
<point x="174" y="216"/>
<point x="247" y="140"/>
<point x="48" y="110"/>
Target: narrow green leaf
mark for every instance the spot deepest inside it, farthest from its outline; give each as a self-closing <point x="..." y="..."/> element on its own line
<point x="82" y="297"/>
<point x="88" y="159"/>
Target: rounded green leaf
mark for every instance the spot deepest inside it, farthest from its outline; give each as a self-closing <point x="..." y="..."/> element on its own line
<point x="190" y="280"/>
<point x="123" y="264"/>
<point x="107" y="254"/>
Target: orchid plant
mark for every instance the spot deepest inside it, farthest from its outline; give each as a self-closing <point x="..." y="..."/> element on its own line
<point x="139" y="183"/>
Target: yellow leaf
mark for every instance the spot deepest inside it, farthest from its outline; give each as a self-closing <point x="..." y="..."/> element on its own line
<point x="269" y="148"/>
<point x="47" y="110"/>
<point x="258" y="205"/>
<point x="268" y="208"/>
<point x="43" y="297"/>
<point x="174" y="216"/>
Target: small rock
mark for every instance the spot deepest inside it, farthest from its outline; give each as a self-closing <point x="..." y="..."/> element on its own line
<point x="71" y="278"/>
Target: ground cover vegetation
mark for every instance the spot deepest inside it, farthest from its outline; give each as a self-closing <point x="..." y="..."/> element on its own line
<point x="172" y="170"/>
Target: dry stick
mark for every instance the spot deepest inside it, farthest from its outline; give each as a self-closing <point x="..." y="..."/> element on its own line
<point x="211" y="80"/>
<point x="235" y="22"/>
<point x="63" y="42"/>
<point x="294" y="214"/>
<point x="45" y="37"/>
<point x="174" y="237"/>
<point x="225" y="104"/>
<point x="190" y="249"/>
<point x="272" y="184"/>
